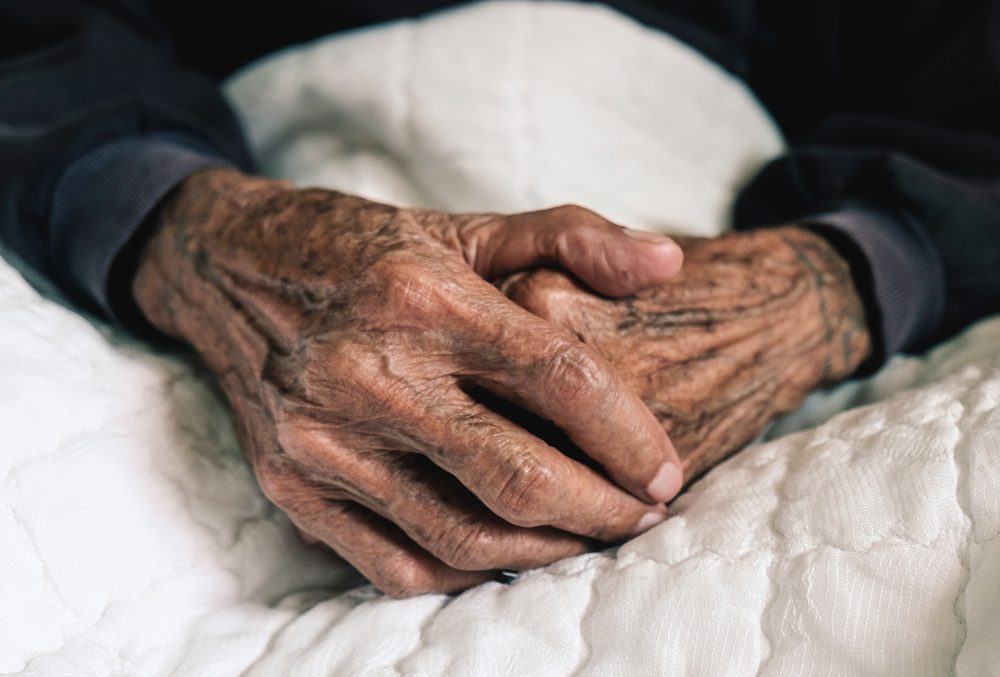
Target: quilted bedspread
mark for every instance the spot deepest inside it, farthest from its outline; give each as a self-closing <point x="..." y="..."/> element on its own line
<point x="862" y="537"/>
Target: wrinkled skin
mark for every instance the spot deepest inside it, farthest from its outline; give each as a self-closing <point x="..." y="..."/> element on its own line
<point x="752" y="323"/>
<point x="347" y="337"/>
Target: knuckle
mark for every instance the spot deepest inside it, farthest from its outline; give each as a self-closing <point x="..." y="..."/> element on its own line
<point x="402" y="577"/>
<point x="277" y="484"/>
<point x="308" y="443"/>
<point x="521" y="498"/>
<point x="573" y="213"/>
<point x="294" y="441"/>
<point x="340" y="356"/>
<point x="418" y="290"/>
<point x="574" y="373"/>
<point x="357" y="384"/>
<point x="408" y="288"/>
<point x="534" y="296"/>
<point x="404" y="284"/>
<point x="466" y="546"/>
<point x="326" y="371"/>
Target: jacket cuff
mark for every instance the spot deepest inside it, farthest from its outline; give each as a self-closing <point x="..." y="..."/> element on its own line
<point x="896" y="270"/>
<point x="101" y="200"/>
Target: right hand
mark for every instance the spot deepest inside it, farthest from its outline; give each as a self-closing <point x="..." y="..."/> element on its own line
<point x="347" y="336"/>
<point x="755" y="321"/>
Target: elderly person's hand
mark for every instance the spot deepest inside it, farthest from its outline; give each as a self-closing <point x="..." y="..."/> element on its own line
<point x="350" y="337"/>
<point x="753" y="322"/>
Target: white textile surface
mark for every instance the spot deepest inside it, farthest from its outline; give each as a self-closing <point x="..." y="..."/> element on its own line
<point x="133" y="540"/>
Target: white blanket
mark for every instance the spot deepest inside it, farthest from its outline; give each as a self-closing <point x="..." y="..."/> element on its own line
<point x="134" y="542"/>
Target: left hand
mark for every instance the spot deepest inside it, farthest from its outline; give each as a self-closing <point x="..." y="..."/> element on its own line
<point x="749" y="326"/>
<point x="356" y="343"/>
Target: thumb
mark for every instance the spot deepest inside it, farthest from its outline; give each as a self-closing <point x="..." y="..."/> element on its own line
<point x="610" y="259"/>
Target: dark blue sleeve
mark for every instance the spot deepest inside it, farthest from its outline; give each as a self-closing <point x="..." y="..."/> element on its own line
<point x="97" y="123"/>
<point x="897" y="271"/>
<point x="923" y="238"/>
<point x="101" y="199"/>
<point x="891" y="111"/>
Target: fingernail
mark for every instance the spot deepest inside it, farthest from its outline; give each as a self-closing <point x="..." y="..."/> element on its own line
<point x="666" y="484"/>
<point x="648" y="521"/>
<point x="646" y="236"/>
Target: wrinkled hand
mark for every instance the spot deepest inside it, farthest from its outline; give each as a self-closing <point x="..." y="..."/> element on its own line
<point x="752" y="323"/>
<point x="349" y="338"/>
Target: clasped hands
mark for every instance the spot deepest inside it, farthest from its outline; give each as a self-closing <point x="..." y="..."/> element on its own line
<point x="354" y="342"/>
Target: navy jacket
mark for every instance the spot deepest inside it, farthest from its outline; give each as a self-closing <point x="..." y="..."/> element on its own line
<point x="891" y="109"/>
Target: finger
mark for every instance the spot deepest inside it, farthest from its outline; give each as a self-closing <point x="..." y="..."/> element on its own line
<point x="442" y="516"/>
<point x="611" y="260"/>
<point x="539" y="367"/>
<point x="527" y="482"/>
<point x="378" y="549"/>
<point x="306" y="537"/>
<point x="556" y="298"/>
<point x="515" y="474"/>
